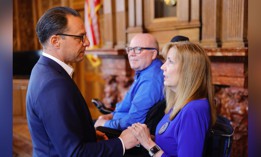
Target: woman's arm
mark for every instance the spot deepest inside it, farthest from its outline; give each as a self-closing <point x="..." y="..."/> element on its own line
<point x="142" y="133"/>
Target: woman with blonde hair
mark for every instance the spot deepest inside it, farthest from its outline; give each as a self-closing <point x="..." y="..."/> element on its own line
<point x="190" y="110"/>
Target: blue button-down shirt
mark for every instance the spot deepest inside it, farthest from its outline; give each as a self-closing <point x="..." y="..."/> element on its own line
<point x="146" y="91"/>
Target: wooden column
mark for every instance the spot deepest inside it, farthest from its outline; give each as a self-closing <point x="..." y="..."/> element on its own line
<point x="135" y="18"/>
<point x="210" y="23"/>
<point x="131" y="13"/>
<point x="195" y="10"/>
<point x="234" y="23"/>
<point x="139" y="14"/>
<point x="121" y="24"/>
<point x="109" y="24"/>
<point x="183" y="10"/>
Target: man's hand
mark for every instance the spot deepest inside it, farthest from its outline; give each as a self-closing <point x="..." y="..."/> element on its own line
<point x="142" y="133"/>
<point x="101" y="136"/>
<point x="128" y="139"/>
<point x="100" y="122"/>
<point x="106" y="116"/>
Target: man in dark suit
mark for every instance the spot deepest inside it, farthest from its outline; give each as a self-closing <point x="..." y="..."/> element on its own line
<point x="58" y="117"/>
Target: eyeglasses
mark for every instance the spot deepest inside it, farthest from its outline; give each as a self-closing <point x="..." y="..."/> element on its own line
<point x="137" y="50"/>
<point x="82" y="37"/>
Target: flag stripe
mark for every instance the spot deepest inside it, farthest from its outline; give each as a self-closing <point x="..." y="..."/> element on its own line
<point x="92" y="22"/>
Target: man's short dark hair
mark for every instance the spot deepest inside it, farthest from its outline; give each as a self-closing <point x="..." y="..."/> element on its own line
<point x="53" y="21"/>
<point x="178" y="38"/>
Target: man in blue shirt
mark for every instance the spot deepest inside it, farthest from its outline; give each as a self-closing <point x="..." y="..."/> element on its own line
<point x="147" y="88"/>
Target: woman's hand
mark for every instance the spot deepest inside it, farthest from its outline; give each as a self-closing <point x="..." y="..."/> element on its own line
<point x="142" y="133"/>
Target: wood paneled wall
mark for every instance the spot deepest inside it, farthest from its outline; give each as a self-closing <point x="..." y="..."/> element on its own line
<point x="24" y="37"/>
<point x="224" y="23"/>
<point x="26" y="15"/>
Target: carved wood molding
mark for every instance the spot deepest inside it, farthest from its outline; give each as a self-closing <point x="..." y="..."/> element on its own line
<point x="227" y="52"/>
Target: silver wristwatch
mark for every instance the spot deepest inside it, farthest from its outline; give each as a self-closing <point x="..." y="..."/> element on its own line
<point x="155" y="149"/>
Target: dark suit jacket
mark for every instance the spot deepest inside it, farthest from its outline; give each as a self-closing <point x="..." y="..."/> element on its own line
<point x="58" y="117"/>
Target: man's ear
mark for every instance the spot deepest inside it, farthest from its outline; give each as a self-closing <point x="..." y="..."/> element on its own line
<point x="55" y="41"/>
<point x="155" y="53"/>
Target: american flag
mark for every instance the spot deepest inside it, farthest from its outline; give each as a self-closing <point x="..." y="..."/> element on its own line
<point x="92" y="22"/>
<point x="92" y="28"/>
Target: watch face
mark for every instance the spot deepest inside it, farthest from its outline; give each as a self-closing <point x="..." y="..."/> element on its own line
<point x="154" y="150"/>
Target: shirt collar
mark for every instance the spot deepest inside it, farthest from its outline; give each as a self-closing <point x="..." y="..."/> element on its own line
<point x="137" y="74"/>
<point x="66" y="67"/>
<point x="155" y="62"/>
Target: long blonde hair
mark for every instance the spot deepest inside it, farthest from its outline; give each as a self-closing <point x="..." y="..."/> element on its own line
<point x="195" y="80"/>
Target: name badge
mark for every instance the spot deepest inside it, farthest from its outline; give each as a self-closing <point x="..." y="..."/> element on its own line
<point x="164" y="128"/>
